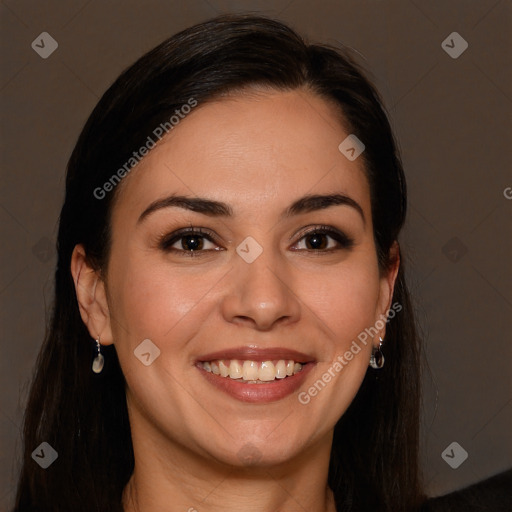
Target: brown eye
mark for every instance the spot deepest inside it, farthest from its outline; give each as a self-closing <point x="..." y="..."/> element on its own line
<point x="192" y="242"/>
<point x="189" y="242"/>
<point x="317" y="241"/>
<point x="324" y="239"/>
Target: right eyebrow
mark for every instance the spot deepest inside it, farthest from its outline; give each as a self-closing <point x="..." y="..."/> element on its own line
<point x="195" y="204"/>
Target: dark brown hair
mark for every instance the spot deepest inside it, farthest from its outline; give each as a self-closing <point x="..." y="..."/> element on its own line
<point x="374" y="458"/>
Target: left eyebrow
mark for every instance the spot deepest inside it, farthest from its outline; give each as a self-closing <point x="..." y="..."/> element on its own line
<point x="311" y="203"/>
<point x="212" y="208"/>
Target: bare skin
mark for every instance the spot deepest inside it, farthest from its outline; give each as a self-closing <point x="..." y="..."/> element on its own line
<point x="258" y="153"/>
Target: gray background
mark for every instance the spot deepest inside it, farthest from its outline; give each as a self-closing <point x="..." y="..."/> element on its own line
<point x="453" y="121"/>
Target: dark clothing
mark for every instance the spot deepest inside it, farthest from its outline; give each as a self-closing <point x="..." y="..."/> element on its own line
<point x="491" y="495"/>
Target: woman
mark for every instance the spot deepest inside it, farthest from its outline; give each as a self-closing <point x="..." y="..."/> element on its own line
<point x="231" y="328"/>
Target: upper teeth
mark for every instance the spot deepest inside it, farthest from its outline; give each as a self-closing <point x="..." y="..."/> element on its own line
<point x="252" y="370"/>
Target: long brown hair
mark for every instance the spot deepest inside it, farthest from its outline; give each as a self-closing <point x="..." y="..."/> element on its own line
<point x="374" y="458"/>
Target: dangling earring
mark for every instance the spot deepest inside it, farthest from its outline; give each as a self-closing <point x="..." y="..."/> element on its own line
<point x="377" y="358"/>
<point x="99" y="360"/>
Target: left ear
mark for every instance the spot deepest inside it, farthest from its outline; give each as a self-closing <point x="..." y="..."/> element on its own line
<point x="387" y="283"/>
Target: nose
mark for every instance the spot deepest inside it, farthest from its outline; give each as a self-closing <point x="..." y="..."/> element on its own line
<point x="261" y="295"/>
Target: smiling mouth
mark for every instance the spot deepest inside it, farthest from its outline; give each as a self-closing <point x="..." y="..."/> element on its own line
<point x="252" y="372"/>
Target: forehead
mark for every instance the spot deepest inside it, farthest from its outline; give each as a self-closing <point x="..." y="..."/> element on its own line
<point x="254" y="150"/>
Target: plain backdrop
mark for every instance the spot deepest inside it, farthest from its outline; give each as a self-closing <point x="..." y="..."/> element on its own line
<point x="452" y="117"/>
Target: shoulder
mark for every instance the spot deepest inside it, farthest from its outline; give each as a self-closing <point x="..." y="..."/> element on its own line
<point x="491" y="495"/>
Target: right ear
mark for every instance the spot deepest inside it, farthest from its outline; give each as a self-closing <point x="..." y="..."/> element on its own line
<point x="91" y="296"/>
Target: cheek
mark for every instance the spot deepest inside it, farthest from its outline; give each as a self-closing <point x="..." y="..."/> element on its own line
<point x="344" y="306"/>
<point x="151" y="300"/>
<point x="344" y="302"/>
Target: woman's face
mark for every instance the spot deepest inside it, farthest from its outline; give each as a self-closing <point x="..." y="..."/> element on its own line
<point x="272" y="278"/>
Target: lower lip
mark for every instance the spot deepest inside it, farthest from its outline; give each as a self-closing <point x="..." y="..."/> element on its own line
<point x="258" y="393"/>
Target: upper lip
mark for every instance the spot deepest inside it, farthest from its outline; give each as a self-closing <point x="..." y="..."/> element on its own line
<point x="253" y="353"/>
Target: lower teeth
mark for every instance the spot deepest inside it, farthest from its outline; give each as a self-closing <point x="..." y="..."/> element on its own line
<point x="255" y="381"/>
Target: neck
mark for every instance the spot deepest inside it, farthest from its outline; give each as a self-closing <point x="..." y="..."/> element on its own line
<point x="178" y="479"/>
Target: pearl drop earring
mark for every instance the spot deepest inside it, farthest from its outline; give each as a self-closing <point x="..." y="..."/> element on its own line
<point x="99" y="360"/>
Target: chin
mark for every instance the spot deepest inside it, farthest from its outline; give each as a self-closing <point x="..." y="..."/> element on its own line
<point x="257" y="452"/>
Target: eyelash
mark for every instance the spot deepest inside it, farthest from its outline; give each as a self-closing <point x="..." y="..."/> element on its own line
<point x="344" y="241"/>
